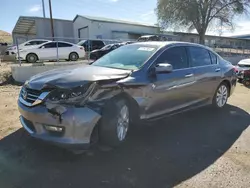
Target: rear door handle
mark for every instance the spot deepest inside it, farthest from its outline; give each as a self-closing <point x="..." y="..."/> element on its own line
<point x="217" y="70"/>
<point x="189" y="75"/>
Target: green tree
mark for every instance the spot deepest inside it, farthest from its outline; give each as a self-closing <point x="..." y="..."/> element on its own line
<point x="199" y="14"/>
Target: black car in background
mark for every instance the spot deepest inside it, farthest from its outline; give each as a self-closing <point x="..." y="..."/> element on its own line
<point x="96" y="54"/>
<point x="90" y="45"/>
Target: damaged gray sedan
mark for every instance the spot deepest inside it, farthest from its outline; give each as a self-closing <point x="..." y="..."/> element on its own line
<point x="80" y="105"/>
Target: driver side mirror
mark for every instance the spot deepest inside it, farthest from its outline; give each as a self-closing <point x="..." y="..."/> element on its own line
<point x="42" y="47"/>
<point x="163" y="68"/>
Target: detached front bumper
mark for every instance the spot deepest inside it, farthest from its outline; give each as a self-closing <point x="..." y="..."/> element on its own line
<point x="10" y="52"/>
<point x="72" y="129"/>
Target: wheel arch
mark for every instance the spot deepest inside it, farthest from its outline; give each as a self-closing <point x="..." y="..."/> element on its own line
<point x="133" y="105"/>
<point x="134" y="110"/>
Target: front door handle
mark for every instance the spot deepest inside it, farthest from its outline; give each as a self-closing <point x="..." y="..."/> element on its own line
<point x="217" y="70"/>
<point x="189" y="75"/>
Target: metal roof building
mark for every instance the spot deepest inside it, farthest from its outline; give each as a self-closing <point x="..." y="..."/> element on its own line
<point x="242" y="36"/>
<point x="106" y="28"/>
<point x="81" y="27"/>
<point x="28" y="28"/>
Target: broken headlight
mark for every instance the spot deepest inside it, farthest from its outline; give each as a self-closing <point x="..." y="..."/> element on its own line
<point x="72" y="96"/>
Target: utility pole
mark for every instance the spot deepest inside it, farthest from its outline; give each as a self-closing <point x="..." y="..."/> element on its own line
<point x="43" y="8"/>
<point x="51" y="20"/>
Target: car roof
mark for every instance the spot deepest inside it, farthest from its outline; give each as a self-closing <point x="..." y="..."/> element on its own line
<point x="38" y="40"/>
<point x="146" y="36"/>
<point x="59" y="41"/>
<point x="168" y="43"/>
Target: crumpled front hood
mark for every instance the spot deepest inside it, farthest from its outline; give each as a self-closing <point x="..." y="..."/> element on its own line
<point x="73" y="76"/>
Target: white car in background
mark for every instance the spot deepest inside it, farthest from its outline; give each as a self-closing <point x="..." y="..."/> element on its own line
<point x="243" y="65"/>
<point x="28" y="44"/>
<point x="49" y="50"/>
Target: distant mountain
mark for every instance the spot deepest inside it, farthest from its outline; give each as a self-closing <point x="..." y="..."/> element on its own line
<point x="5" y="37"/>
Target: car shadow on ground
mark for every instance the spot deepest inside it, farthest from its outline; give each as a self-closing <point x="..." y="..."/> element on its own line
<point x="161" y="154"/>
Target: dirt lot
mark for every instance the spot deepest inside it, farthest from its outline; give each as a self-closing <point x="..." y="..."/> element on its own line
<point x="202" y="148"/>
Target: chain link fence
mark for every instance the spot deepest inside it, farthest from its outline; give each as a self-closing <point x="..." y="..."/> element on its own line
<point x="12" y="53"/>
<point x="28" y="44"/>
<point x="232" y="51"/>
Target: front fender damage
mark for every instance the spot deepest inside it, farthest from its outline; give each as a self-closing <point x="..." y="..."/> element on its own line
<point x="95" y="99"/>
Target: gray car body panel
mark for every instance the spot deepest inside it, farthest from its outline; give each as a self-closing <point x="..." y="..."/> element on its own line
<point x="77" y="123"/>
<point x="152" y="96"/>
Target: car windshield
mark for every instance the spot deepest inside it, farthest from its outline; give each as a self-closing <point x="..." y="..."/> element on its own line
<point x="107" y="47"/>
<point x="81" y="42"/>
<point x="130" y="57"/>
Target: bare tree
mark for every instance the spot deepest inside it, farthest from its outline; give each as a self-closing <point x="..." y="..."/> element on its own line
<point x="199" y="14"/>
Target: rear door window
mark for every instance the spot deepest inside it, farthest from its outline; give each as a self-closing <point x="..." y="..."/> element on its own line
<point x="199" y="56"/>
<point x="62" y="44"/>
<point x="50" y="45"/>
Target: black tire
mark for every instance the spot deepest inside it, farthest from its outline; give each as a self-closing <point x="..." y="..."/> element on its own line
<point x="93" y="57"/>
<point x="246" y="83"/>
<point x="108" y="129"/>
<point x="73" y="56"/>
<point x="31" y="58"/>
<point x="240" y="80"/>
<point x="216" y="102"/>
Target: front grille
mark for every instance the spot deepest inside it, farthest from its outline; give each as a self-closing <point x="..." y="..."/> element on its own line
<point x="30" y="95"/>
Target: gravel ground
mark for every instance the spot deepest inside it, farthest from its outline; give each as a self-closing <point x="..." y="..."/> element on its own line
<point x="201" y="148"/>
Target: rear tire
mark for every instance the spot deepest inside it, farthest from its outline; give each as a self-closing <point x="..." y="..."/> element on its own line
<point x="73" y="56"/>
<point x="31" y="58"/>
<point x="221" y="95"/>
<point x="115" y="123"/>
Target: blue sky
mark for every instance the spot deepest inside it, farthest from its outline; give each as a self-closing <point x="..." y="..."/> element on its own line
<point x="133" y="10"/>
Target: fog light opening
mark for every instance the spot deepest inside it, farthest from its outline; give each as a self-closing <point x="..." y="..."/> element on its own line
<point x="53" y="128"/>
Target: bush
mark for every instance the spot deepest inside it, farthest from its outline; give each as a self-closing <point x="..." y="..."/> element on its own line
<point x="6" y="78"/>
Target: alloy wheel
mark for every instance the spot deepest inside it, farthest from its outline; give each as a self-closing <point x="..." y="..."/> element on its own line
<point x="221" y="96"/>
<point x="123" y="123"/>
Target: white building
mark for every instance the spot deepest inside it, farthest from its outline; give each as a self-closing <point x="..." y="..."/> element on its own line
<point x="84" y="27"/>
<point x="105" y="28"/>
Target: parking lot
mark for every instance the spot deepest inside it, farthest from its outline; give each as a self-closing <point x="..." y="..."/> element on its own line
<point x="202" y="148"/>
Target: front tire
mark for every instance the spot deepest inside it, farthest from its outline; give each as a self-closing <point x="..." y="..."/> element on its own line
<point x="115" y="123"/>
<point x="31" y="58"/>
<point x="221" y="95"/>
